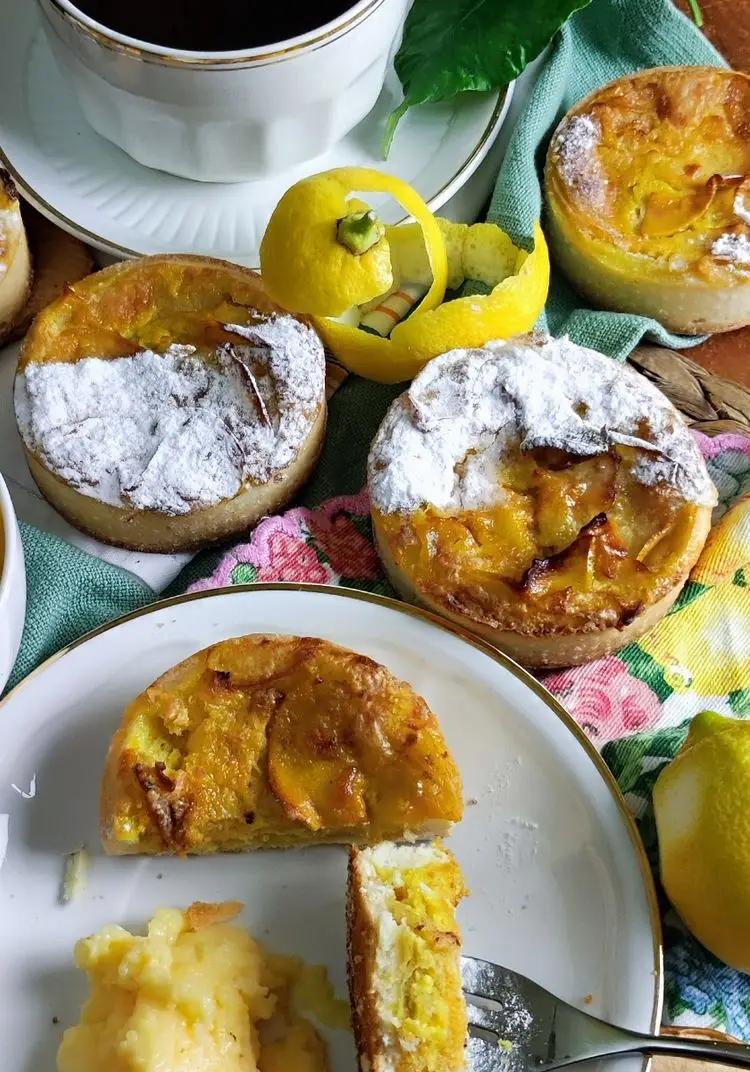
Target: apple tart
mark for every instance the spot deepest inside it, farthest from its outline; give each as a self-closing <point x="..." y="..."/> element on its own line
<point x="540" y="494"/>
<point x="166" y="402"/>
<point x="648" y="197"/>
<point x="15" y="260"/>
<point x="276" y="741"/>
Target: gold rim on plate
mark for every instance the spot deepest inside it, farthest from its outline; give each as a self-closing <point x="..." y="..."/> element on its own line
<point x="481" y="645"/>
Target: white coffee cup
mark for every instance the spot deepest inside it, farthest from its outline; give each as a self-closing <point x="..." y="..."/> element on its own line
<point x="226" y="116"/>
<point x="12" y="587"/>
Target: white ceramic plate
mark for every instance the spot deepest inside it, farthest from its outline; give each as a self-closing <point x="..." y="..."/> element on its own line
<point x="560" y="887"/>
<point x="93" y="189"/>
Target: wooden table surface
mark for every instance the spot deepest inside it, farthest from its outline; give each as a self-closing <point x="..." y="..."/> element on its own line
<point x="727" y="24"/>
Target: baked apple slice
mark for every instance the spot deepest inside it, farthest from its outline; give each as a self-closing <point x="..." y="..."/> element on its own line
<point x="273" y="741"/>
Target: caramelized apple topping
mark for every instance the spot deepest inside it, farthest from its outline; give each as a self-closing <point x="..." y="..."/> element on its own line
<point x="167" y="808"/>
<point x="280" y="736"/>
<point x="569" y="538"/>
<point x="658" y="169"/>
<point x="149" y="311"/>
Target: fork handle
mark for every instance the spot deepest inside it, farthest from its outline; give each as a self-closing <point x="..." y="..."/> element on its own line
<point x="727" y="1053"/>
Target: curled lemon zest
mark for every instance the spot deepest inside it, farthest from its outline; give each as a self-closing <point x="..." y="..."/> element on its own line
<point x="512" y="308"/>
<point x="305" y="267"/>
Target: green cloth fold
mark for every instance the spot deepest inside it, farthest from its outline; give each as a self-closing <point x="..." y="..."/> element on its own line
<point x="604" y="41"/>
<point x="69" y="592"/>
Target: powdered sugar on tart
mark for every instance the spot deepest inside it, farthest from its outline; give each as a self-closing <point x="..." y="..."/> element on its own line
<point x="171" y="432"/>
<point x="442" y="443"/>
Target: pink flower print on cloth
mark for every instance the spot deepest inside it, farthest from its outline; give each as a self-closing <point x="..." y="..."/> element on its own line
<point x="328" y="545"/>
<point x="289" y="558"/>
<point x="605" y="699"/>
<point x="338" y="534"/>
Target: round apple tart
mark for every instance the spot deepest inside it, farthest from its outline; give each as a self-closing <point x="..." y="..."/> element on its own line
<point x="15" y="260"/>
<point x="166" y="402"/>
<point x="648" y="197"/>
<point x="541" y="495"/>
<point x="266" y="741"/>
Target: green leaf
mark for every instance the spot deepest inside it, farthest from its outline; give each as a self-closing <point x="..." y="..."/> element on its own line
<point x="451" y="46"/>
<point x="390" y="127"/>
<point x="695" y="11"/>
<point x="691" y="591"/>
<point x="644" y="666"/>
<point x="363" y="525"/>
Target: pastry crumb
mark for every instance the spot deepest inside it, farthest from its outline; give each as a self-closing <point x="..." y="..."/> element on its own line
<point x="74" y="875"/>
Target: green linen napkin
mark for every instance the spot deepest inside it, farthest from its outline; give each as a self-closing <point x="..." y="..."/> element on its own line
<point x="71" y="592"/>
<point x="602" y="42"/>
<point x="68" y="593"/>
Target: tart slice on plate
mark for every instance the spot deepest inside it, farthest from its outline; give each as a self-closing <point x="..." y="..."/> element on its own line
<point x="166" y="402"/>
<point x="541" y="495"/>
<point x="276" y="741"/>
<point x="404" y="946"/>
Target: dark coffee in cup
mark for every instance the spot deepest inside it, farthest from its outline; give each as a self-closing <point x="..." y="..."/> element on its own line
<point x="211" y="25"/>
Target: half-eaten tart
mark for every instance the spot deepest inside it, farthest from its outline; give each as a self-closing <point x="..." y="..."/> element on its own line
<point x="271" y="742"/>
<point x="647" y="186"/>
<point x="541" y="495"/>
<point x="166" y="402"/>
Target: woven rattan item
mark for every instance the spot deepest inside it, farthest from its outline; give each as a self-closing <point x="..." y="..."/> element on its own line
<point x="710" y="403"/>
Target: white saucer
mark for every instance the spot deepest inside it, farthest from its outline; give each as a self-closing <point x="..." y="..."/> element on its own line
<point x="560" y="885"/>
<point x="95" y="191"/>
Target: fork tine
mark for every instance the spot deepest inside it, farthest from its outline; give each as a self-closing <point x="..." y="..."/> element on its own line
<point x="478" y="1032"/>
<point x="486" y="1013"/>
<point x="484" y="1055"/>
<point x="497" y="999"/>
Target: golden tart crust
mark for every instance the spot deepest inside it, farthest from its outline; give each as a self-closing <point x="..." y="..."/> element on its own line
<point x="15" y="260"/>
<point x="501" y="500"/>
<point x="647" y="186"/>
<point x="402" y="937"/>
<point x="274" y="741"/>
<point x="154" y="304"/>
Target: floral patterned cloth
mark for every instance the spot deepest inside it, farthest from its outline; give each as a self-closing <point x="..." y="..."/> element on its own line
<point x="635" y="705"/>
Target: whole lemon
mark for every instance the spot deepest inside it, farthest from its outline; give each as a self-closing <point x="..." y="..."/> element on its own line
<point x="702" y="808"/>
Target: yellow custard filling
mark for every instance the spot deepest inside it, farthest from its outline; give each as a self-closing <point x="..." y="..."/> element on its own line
<point x="195" y="994"/>
<point x="658" y="166"/>
<point x="571" y="541"/>
<point x="411" y="894"/>
<point x="423" y="906"/>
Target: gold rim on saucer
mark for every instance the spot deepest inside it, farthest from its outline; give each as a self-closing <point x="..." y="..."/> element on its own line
<point x="498" y="115"/>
